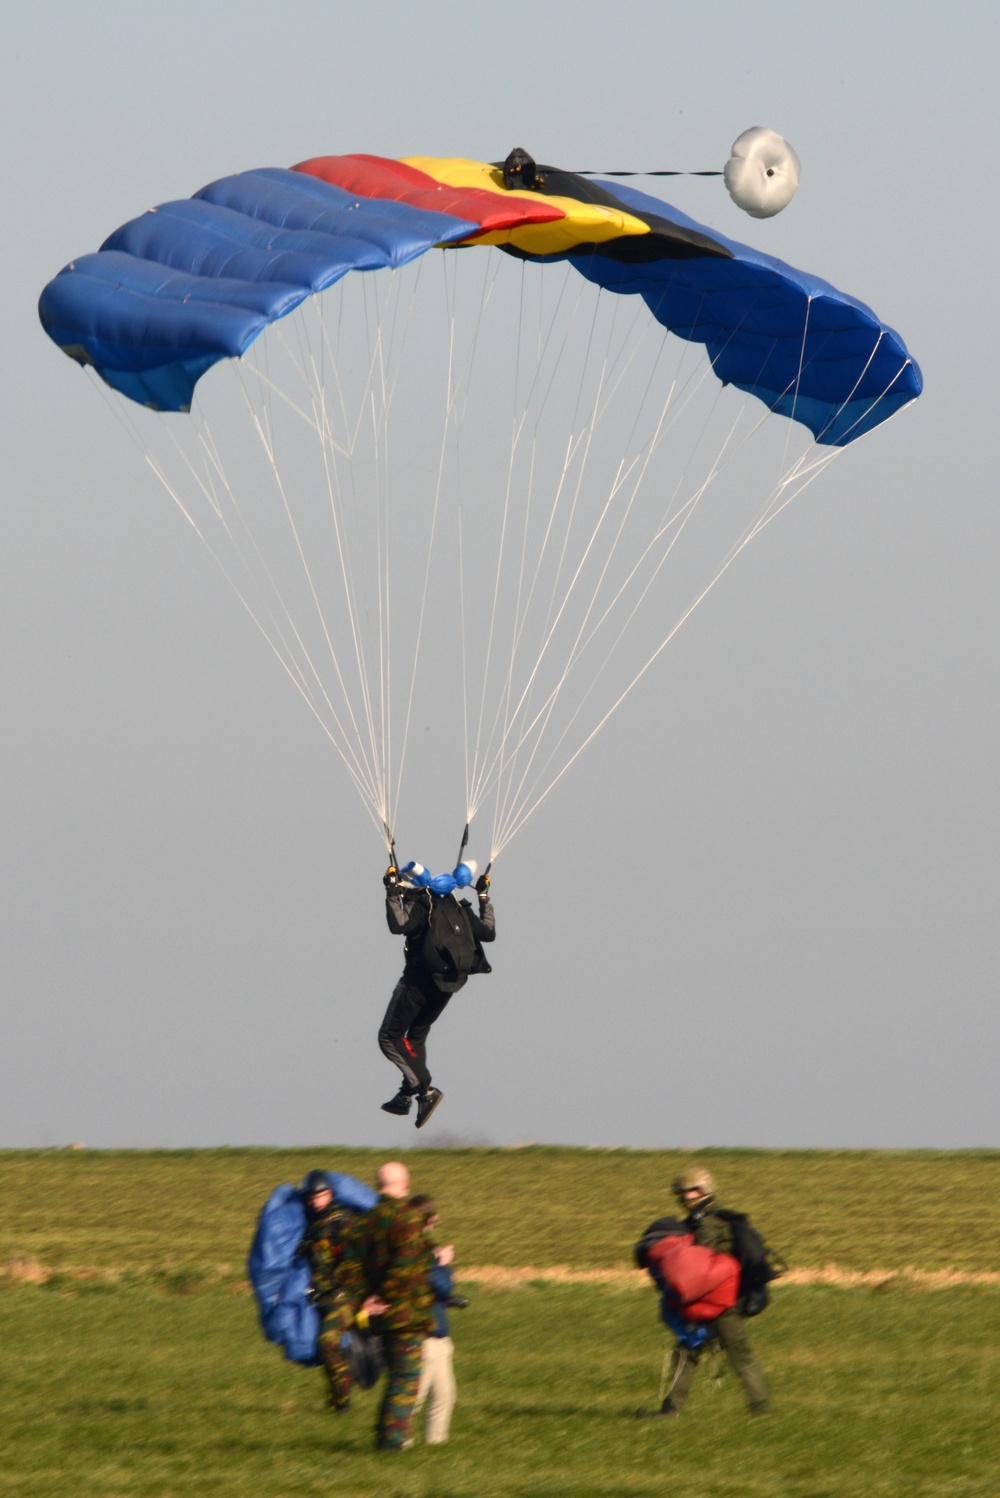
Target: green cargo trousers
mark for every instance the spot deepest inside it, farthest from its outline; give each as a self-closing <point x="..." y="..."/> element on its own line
<point x="337" y="1319"/>
<point x="730" y="1328"/>
<point x="394" y="1430"/>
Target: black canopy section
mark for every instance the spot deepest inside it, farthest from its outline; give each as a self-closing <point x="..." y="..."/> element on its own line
<point x="665" y="240"/>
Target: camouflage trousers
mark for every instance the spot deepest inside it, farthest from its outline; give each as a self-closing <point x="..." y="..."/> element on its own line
<point x="337" y="1319"/>
<point x="730" y="1328"/>
<point x="395" y="1417"/>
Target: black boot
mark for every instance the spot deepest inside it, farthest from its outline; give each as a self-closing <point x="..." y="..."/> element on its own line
<point x="665" y="1412"/>
<point x="426" y="1103"/>
<point x="399" y="1104"/>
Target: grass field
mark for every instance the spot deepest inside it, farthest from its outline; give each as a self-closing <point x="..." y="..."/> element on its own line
<point x="131" y="1364"/>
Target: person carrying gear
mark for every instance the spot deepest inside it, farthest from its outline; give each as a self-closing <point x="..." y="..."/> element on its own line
<point x="281" y="1274"/>
<point x="322" y="1246"/>
<point x="386" y="1271"/>
<point x="714" y="1228"/>
<point x="444" y="945"/>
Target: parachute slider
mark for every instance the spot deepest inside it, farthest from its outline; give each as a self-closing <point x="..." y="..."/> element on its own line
<point x="520" y="172"/>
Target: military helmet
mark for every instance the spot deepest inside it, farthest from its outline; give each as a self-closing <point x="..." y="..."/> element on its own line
<point x="699" y="1180"/>
<point x="315" y="1181"/>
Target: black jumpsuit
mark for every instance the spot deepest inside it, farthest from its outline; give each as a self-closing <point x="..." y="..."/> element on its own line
<point x="420" y="996"/>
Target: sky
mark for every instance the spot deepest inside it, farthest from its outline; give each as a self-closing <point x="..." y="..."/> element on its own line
<point x="761" y="909"/>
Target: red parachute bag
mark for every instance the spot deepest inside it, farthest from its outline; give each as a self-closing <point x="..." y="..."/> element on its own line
<point x="705" y="1283"/>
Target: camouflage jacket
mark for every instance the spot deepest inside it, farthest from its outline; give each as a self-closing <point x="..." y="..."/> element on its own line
<point x="386" y="1253"/>
<point x="323" y="1246"/>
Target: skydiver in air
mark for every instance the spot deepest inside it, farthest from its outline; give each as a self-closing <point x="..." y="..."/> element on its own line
<point x="444" y="945"/>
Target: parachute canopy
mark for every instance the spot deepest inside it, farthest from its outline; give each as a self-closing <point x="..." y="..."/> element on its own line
<point x="195" y="281"/>
<point x="468" y="501"/>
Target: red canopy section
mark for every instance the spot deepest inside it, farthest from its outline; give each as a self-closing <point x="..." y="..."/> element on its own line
<point x="380" y="177"/>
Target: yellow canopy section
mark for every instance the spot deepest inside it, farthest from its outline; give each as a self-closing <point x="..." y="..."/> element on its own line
<point x="584" y="223"/>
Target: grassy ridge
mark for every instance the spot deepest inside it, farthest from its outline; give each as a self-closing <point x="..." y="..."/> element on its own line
<point x="541" y="1206"/>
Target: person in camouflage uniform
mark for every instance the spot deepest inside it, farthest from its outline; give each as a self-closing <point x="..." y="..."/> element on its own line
<point x="322" y="1246"/>
<point x="695" y="1189"/>
<point x="386" y="1267"/>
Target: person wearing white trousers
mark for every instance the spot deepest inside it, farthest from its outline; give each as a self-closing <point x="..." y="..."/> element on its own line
<point x="437" y="1388"/>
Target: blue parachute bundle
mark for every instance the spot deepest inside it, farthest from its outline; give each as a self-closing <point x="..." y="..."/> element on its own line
<point x="280" y="1277"/>
<point x="692" y="1334"/>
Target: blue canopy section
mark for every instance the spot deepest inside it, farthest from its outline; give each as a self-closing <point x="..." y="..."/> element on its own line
<point x="280" y="1278"/>
<point x="192" y="282"/>
<point x="807" y="350"/>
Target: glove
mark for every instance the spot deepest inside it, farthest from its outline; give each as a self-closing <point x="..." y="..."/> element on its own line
<point x="391" y="877"/>
<point x="483" y="886"/>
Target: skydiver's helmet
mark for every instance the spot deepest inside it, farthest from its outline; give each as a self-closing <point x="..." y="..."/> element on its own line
<point x="519" y="171"/>
<point x="314" y="1182"/>
<point x="701" y="1181"/>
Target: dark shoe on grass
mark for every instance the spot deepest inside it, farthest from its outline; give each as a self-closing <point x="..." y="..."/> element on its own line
<point x="426" y="1103"/>
<point x="665" y="1412"/>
